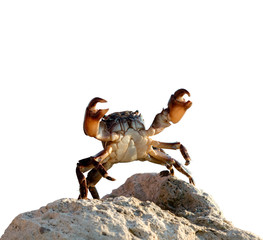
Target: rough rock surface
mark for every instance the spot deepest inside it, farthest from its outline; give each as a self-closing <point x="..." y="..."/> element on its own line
<point x="147" y="206"/>
<point x="170" y="193"/>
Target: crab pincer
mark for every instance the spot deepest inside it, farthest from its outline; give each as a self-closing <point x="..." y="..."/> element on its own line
<point x="93" y="116"/>
<point x="177" y="105"/>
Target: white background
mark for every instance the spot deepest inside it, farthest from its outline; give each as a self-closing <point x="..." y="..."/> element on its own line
<point x="55" y="56"/>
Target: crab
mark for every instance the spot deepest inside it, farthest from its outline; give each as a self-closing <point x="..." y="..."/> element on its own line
<point x="125" y="139"/>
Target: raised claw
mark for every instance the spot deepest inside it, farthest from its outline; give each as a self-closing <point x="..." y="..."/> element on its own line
<point x="93" y="116"/>
<point x="177" y="105"/>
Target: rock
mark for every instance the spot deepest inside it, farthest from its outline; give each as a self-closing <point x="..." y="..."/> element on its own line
<point x="118" y="218"/>
<point x="184" y="200"/>
<point x="170" y="193"/>
<point x="147" y="206"/>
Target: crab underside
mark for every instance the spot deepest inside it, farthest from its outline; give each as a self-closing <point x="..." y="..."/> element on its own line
<point x="125" y="139"/>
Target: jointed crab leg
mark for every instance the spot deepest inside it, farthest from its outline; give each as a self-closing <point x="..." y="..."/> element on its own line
<point x="175" y="146"/>
<point x="99" y="157"/>
<point x="83" y="188"/>
<point x="157" y="144"/>
<point x="94" y="193"/>
<point x="165" y="159"/>
<point x="93" y="177"/>
<point x="83" y="166"/>
<point x="89" y="163"/>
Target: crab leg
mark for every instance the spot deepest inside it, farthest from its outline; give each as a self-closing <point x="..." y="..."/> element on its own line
<point x="83" y="166"/>
<point x="83" y="188"/>
<point x="99" y="157"/>
<point x="165" y="159"/>
<point x="94" y="192"/>
<point x="92" y="163"/>
<point x="175" y="146"/>
<point x="93" y="178"/>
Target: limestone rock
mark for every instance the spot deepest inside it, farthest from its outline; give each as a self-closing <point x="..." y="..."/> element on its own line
<point x="147" y="206"/>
